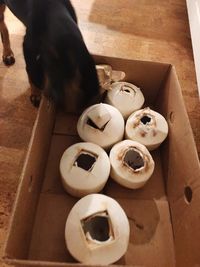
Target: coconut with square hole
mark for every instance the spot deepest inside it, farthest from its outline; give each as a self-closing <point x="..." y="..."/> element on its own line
<point x="126" y="97"/>
<point x="97" y="230"/>
<point x="147" y="127"/>
<point x="131" y="164"/>
<point x="84" y="169"/>
<point x="101" y="124"/>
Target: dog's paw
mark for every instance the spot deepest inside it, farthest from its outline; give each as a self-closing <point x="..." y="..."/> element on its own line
<point x="9" y="60"/>
<point x="35" y="100"/>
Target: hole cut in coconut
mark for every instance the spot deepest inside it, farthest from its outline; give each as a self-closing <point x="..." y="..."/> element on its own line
<point x="86" y="160"/>
<point x="133" y="159"/>
<point x="98" y="228"/>
<point x="127" y="89"/>
<point x="145" y="119"/>
<point x="92" y="124"/>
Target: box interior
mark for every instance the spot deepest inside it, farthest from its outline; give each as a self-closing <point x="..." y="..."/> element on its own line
<point x="160" y="214"/>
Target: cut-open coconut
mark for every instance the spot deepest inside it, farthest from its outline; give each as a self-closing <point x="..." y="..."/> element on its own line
<point x="97" y="230"/>
<point x="101" y="124"/>
<point x="126" y="97"/>
<point x="84" y="168"/>
<point x="147" y="127"/>
<point x="131" y="164"/>
<point x="104" y="73"/>
<point x="107" y="75"/>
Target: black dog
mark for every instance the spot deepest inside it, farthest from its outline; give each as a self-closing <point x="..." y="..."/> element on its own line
<point x="57" y="60"/>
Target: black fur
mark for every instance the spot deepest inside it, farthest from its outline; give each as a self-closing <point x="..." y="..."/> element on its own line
<point x="54" y="50"/>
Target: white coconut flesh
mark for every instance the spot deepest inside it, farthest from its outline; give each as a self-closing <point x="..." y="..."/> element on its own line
<point x="147" y="127"/>
<point x="131" y="164"/>
<point x="126" y="97"/>
<point x="101" y="124"/>
<point x="97" y="230"/>
<point x="84" y="169"/>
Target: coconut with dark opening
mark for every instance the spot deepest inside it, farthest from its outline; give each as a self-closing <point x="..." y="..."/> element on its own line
<point x="131" y="164"/>
<point x="84" y="168"/>
<point x="101" y="124"/>
<point x="126" y="97"/>
<point x="97" y="230"/>
<point x="147" y="127"/>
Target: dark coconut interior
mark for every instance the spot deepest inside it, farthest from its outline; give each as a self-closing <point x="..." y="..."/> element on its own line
<point x="85" y="160"/>
<point x="98" y="226"/>
<point x="133" y="159"/>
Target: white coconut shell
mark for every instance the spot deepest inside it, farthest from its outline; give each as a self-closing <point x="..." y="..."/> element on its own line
<point x="84" y="169"/>
<point x="82" y="242"/>
<point x="150" y="133"/>
<point x="107" y="75"/>
<point x="109" y="125"/>
<point x="118" y="75"/>
<point x="126" y="97"/>
<point x="124" y="173"/>
<point x="104" y="73"/>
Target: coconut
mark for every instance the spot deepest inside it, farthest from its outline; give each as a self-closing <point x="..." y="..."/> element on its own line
<point x="97" y="230"/>
<point x="101" y="124"/>
<point x="147" y="127"/>
<point x="131" y="164"/>
<point x="104" y="73"/>
<point x="84" y="169"/>
<point x="107" y="75"/>
<point x="126" y="97"/>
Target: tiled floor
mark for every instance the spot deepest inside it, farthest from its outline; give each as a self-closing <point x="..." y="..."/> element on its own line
<point x="147" y="30"/>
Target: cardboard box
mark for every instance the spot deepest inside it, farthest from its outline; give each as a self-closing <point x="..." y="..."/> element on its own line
<point x="164" y="215"/>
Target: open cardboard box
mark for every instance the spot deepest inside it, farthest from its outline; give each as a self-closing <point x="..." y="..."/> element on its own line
<point x="164" y="216"/>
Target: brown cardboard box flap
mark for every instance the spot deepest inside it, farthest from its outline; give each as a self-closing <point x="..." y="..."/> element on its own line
<point x="30" y="183"/>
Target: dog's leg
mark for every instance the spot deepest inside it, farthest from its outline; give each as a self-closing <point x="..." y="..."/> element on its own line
<point x="35" y="96"/>
<point x="34" y="70"/>
<point x="8" y="57"/>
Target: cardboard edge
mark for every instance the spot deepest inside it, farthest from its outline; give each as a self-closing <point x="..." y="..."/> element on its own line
<point x="192" y="174"/>
<point x="97" y="56"/>
<point x="165" y="184"/>
<point x="191" y="135"/>
<point x="102" y="59"/>
<point x="195" y="161"/>
<point x="163" y="83"/>
<point x="27" y="263"/>
<point x="6" y="257"/>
